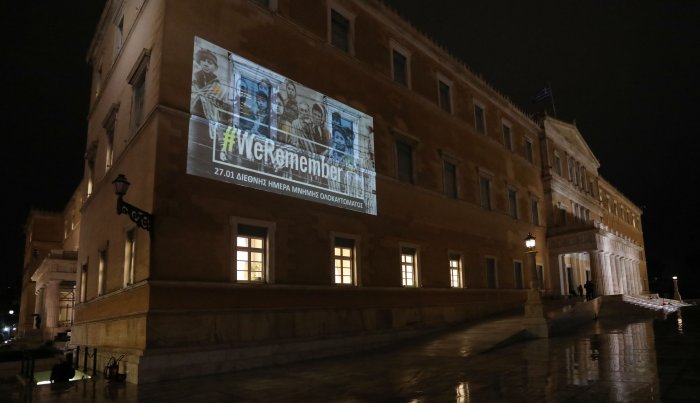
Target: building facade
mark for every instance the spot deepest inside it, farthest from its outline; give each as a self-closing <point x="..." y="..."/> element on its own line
<point x="321" y="176"/>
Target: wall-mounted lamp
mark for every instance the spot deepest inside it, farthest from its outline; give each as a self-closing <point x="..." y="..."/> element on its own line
<point x="138" y="216"/>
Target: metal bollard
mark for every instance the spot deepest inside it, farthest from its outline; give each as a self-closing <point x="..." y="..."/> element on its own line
<point x="94" y="362"/>
<point x="77" y="357"/>
<point x="30" y="375"/>
<point x="85" y="357"/>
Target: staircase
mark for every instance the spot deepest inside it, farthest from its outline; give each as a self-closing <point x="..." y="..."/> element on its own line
<point x="653" y="302"/>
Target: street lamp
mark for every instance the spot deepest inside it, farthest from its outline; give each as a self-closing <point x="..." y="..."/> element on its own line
<point x="530" y="244"/>
<point x="138" y="216"/>
<point x="534" y="320"/>
<point x="12" y="312"/>
<point x="676" y="294"/>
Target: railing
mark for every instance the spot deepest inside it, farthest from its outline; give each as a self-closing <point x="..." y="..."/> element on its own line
<point x="86" y="355"/>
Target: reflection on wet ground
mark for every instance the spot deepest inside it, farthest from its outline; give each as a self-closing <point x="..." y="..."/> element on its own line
<point x="607" y="361"/>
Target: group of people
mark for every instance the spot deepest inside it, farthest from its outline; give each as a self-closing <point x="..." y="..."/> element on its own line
<point x="259" y="109"/>
<point x="588" y="286"/>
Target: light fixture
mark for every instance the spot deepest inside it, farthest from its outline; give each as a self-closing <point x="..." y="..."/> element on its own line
<point x="138" y="216"/>
<point x="530" y="242"/>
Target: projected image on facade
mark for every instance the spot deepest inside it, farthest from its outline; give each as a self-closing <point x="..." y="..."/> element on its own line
<point x="253" y="127"/>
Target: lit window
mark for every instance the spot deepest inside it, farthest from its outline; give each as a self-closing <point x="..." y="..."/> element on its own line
<point x="444" y="96"/>
<point x="102" y="273"/>
<point x="408" y="267"/>
<point x="340" y="31"/>
<point x="557" y="164"/>
<point x="455" y="271"/>
<point x="83" y="282"/>
<point x="490" y="272"/>
<point x="450" y="174"/>
<point x="479" y="119"/>
<point x="513" y="203"/>
<point x="507" y="140"/>
<point x="485" y="191"/>
<point x="404" y="157"/>
<point x="518" y="273"/>
<point x="129" y="257"/>
<point x="344" y="261"/>
<point x="251" y="254"/>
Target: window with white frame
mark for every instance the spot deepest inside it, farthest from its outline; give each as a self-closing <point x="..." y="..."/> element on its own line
<point x="251" y="254"/>
<point x="479" y="118"/>
<point x="409" y="267"/>
<point x="129" y="256"/>
<point x="344" y="261"/>
<point x="518" y="273"/>
<point x="341" y="30"/>
<point x="455" y="270"/>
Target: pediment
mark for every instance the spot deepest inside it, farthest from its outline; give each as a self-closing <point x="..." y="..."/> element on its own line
<point x="567" y="137"/>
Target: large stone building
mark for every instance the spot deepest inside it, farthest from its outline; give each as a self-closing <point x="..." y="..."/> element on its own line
<point x="321" y="177"/>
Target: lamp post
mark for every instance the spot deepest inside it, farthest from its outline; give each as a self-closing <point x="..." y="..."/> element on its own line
<point x="138" y="216"/>
<point x="676" y="294"/>
<point x="534" y="321"/>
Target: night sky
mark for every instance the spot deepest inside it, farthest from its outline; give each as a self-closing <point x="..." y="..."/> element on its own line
<point x="626" y="72"/>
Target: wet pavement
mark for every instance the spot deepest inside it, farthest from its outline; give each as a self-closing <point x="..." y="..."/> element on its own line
<point x="604" y="361"/>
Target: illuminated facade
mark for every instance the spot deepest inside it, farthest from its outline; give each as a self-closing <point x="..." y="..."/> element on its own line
<point x="49" y="272"/>
<point x="321" y="176"/>
<point x="594" y="232"/>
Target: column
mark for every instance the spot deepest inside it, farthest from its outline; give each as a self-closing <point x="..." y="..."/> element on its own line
<point x="597" y="277"/>
<point x="614" y="285"/>
<point x="637" y="276"/>
<point x="630" y="277"/>
<point x="621" y="275"/>
<point x="51" y="303"/>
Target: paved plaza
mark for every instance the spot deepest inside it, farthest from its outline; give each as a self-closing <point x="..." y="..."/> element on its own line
<point x="604" y="361"/>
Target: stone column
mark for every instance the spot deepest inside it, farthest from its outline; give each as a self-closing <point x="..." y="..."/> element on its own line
<point x="637" y="276"/>
<point x="621" y="275"/>
<point x="596" y="258"/>
<point x="51" y="304"/>
<point x="630" y="276"/>
<point x="614" y="286"/>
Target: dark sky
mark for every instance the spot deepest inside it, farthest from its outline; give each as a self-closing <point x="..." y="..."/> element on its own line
<point x="625" y="71"/>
